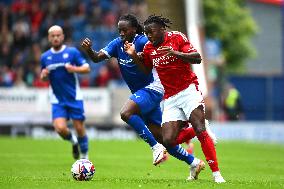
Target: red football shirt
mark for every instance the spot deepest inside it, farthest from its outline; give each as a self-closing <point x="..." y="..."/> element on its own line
<point x="175" y="74"/>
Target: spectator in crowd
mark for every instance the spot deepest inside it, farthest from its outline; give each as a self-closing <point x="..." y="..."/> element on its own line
<point x="232" y="104"/>
<point x="23" y="25"/>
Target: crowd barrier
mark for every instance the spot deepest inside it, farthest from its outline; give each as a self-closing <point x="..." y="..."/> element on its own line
<point x="30" y="106"/>
<point x="28" y="111"/>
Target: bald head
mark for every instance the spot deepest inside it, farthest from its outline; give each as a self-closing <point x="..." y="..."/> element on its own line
<point x="55" y="28"/>
<point x="55" y="36"/>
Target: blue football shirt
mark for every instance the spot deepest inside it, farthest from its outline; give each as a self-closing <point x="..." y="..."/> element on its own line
<point x="65" y="86"/>
<point x="130" y="72"/>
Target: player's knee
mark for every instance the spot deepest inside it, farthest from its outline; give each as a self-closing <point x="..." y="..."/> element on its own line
<point x="197" y="121"/>
<point x="168" y="141"/>
<point x="80" y="131"/>
<point x="60" y="128"/>
<point x="125" y="115"/>
<point x="199" y="126"/>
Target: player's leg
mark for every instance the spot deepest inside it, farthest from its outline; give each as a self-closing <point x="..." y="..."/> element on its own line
<point x="173" y="121"/>
<point x="192" y="104"/>
<point x="170" y="131"/>
<point x="185" y="134"/>
<point x="188" y="133"/>
<point x="153" y="120"/>
<point x="130" y="113"/>
<point x="198" y="123"/>
<point x="60" y="117"/>
<point x="76" y="112"/>
<point x="190" y="147"/>
<point x="82" y="138"/>
<point x="139" y="104"/>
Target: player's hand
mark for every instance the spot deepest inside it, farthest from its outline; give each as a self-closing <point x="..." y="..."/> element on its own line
<point x="141" y="56"/>
<point x="167" y="51"/>
<point x="70" y="68"/>
<point x="129" y="48"/>
<point x="44" y="74"/>
<point x="86" y="44"/>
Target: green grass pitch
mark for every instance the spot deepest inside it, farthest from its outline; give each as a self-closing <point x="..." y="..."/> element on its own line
<point x="32" y="164"/>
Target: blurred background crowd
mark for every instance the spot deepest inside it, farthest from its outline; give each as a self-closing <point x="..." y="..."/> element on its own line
<point x="24" y="25"/>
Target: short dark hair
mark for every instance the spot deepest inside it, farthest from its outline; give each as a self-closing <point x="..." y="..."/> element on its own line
<point x="133" y="22"/>
<point x="164" y="22"/>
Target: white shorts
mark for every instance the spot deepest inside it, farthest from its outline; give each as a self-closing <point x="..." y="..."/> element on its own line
<point x="180" y="106"/>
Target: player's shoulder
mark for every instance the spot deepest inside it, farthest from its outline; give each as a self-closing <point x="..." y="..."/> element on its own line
<point x="45" y="54"/>
<point x="141" y="37"/>
<point x="117" y="40"/>
<point x="174" y="34"/>
<point x="140" y="41"/>
<point x="71" y="49"/>
<point x="148" y="45"/>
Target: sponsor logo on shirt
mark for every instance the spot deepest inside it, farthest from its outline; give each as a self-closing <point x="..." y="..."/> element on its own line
<point x="124" y="62"/>
<point x="65" y="55"/>
<point x="56" y="65"/>
<point x="163" y="60"/>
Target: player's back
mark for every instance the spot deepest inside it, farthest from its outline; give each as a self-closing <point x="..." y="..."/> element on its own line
<point x="65" y="85"/>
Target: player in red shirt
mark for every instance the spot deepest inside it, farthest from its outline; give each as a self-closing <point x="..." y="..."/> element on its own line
<point x="171" y="54"/>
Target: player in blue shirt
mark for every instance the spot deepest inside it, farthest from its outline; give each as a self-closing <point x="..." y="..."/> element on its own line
<point x="60" y="64"/>
<point x="143" y="106"/>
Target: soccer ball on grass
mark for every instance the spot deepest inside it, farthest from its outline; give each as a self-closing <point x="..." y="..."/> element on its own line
<point x="83" y="170"/>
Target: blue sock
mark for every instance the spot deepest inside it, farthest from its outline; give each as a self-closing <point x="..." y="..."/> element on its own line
<point x="139" y="126"/>
<point x="180" y="153"/>
<point x="67" y="137"/>
<point x="70" y="137"/>
<point x="83" y="143"/>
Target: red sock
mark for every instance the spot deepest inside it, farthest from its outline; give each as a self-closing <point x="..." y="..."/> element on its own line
<point x="209" y="151"/>
<point x="185" y="135"/>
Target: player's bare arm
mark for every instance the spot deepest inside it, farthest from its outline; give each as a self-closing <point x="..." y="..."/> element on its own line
<point x="85" y="68"/>
<point x="129" y="48"/>
<point x="95" y="56"/>
<point x="193" y="57"/>
<point x="44" y="74"/>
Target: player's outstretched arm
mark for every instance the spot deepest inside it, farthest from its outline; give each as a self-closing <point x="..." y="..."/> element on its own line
<point x="129" y="48"/>
<point x="193" y="57"/>
<point x="95" y="56"/>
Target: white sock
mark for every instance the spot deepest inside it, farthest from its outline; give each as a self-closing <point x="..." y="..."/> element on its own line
<point x="155" y="146"/>
<point x="84" y="156"/>
<point x="216" y="173"/>
<point x="195" y="162"/>
<point x="74" y="139"/>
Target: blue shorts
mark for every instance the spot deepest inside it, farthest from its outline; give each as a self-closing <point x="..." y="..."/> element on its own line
<point x="74" y="110"/>
<point x="148" y="101"/>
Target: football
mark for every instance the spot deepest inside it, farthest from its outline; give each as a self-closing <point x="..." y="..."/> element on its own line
<point x="83" y="170"/>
